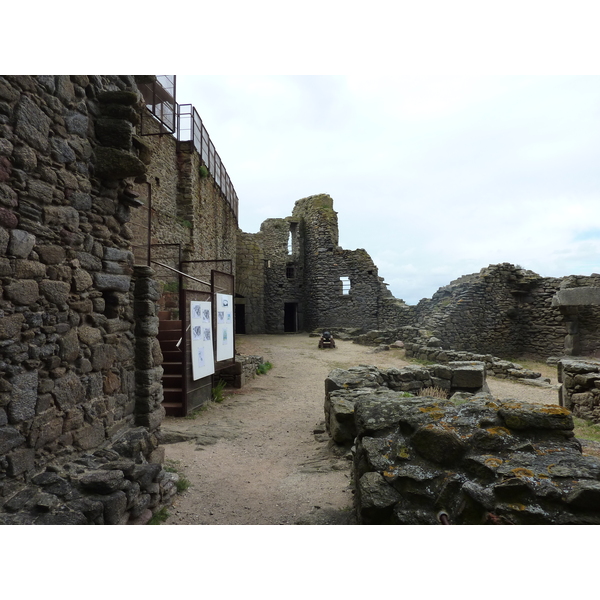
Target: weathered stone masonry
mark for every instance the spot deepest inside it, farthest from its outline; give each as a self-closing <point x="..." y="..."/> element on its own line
<point x="508" y="311"/>
<point x="79" y="367"/>
<point x="290" y="273"/>
<point x="188" y="208"/>
<point x="472" y="459"/>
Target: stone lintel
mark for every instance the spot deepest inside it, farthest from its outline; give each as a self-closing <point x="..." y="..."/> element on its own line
<point x="581" y="296"/>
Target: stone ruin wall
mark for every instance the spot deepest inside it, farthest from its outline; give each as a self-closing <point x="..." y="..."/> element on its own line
<point x="278" y="287"/>
<point x="469" y="460"/>
<point x="507" y="311"/>
<point x="80" y="373"/>
<point x="250" y="280"/>
<point x="214" y="223"/>
<point x="582" y="321"/>
<point x="318" y="263"/>
<point x="580" y="387"/>
<point x="326" y="262"/>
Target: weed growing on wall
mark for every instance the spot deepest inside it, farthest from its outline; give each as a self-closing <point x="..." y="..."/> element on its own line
<point x="434" y="392"/>
<point x="183" y="483"/>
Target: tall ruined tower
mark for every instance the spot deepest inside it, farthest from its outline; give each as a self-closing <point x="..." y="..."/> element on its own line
<point x="308" y="281"/>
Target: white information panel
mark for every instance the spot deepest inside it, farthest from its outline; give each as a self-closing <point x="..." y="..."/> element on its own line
<point x="203" y="363"/>
<point x="224" y="311"/>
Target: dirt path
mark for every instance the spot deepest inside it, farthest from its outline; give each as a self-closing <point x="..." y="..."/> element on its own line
<point x="261" y="456"/>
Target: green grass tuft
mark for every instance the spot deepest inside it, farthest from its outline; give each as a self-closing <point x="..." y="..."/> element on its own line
<point x="160" y="516"/>
<point x="263" y="368"/>
<point x="586" y="430"/>
<point x="217" y="391"/>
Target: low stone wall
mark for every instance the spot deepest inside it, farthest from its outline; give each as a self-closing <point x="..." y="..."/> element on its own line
<point x="580" y="389"/>
<point x="343" y="388"/>
<point x="495" y="366"/>
<point x="420" y="460"/>
<point x="241" y="371"/>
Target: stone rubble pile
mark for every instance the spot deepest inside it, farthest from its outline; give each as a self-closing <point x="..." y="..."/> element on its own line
<point x="114" y="485"/>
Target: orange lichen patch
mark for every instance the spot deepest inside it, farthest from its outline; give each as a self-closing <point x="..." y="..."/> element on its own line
<point x="548" y="451"/>
<point x="512" y="404"/>
<point x="434" y="411"/>
<point x="498" y="431"/>
<point x="521" y="472"/>
<point x="389" y="474"/>
<point x="517" y="506"/>
<point x="555" y="410"/>
<point x="493" y="462"/>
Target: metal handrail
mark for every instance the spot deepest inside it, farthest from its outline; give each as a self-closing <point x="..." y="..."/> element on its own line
<point x="186" y="275"/>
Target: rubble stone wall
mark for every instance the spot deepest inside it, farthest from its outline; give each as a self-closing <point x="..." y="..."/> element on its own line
<point x="309" y="275"/>
<point x="508" y="311"/>
<point x="483" y="461"/>
<point x="343" y="388"/>
<point x="250" y="280"/>
<point x="580" y="389"/>
<point x="189" y="209"/>
<point x="468" y="460"/>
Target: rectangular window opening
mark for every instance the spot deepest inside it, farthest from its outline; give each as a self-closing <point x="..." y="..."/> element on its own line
<point x="345" y="285"/>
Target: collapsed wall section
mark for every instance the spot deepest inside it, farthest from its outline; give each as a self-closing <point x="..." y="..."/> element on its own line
<point x="503" y="310"/>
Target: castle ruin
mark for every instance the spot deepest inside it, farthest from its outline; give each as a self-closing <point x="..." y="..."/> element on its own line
<point x="112" y="222"/>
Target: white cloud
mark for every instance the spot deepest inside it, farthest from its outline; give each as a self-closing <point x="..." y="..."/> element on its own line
<point x="435" y="176"/>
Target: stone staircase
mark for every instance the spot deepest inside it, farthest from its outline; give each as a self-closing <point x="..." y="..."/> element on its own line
<point x="169" y="333"/>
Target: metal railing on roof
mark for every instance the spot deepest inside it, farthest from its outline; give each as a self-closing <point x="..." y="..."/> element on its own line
<point x="185" y="123"/>
<point x="191" y="129"/>
<point x="159" y="95"/>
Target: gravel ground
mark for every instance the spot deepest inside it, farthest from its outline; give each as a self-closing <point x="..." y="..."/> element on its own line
<point x="262" y="456"/>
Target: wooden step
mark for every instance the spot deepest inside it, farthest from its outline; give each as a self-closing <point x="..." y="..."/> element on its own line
<point x="172" y="368"/>
<point x="172" y="395"/>
<point x="172" y="356"/>
<point x="170" y="346"/>
<point x="169" y="325"/>
<point x="173" y="409"/>
<point x="169" y="334"/>
<point x="172" y="380"/>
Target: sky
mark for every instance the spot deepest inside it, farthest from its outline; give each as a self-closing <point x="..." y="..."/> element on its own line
<point x="434" y="175"/>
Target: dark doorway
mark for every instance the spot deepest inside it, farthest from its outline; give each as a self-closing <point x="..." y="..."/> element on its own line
<point x="290" y="317"/>
<point x="240" y="318"/>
